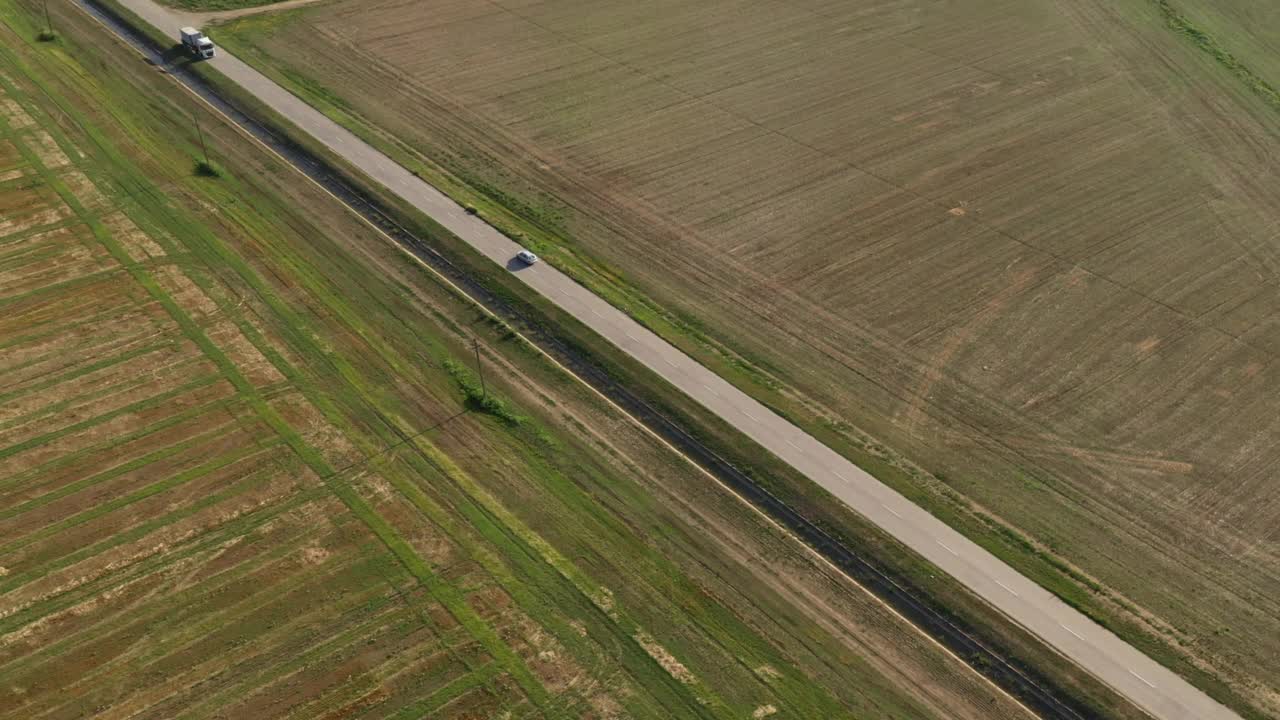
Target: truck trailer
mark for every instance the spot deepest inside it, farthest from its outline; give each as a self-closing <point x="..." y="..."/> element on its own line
<point x="196" y="43"/>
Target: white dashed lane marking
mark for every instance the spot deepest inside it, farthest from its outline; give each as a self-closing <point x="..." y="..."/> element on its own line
<point x="1148" y="682"/>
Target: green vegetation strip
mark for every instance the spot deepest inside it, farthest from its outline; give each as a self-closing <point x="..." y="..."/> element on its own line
<point x="55" y="288"/>
<point x="153" y="401"/>
<point x="156" y="561"/>
<point x="71" y="458"/>
<point x="103" y="390"/>
<point x="550" y="573"/>
<point x="108" y="475"/>
<point x="1182" y="24"/>
<point x="83" y="370"/>
<point x="356" y="635"/>
<point x="186" y="597"/>
<point x="455" y="689"/>
<point x="102" y="509"/>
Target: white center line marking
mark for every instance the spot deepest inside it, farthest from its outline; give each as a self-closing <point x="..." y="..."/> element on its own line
<point x="750" y="417"/>
<point x="1148" y="682"/>
<point x="668" y="361"/>
<point x="596" y="312"/>
<point x="633" y="337"/>
<point x="713" y="392"/>
<point x="1006" y="587"/>
<point x="1073" y="632"/>
<point x="793" y="445"/>
<point x="944" y="547"/>
<point x="892" y="511"/>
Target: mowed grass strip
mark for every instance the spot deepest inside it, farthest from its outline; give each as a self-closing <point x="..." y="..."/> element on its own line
<point x="184" y="390"/>
<point x="237" y="635"/>
<point x="98" y="397"/>
<point x="553" y="578"/>
<point x="104" y="363"/>
<point x="324" y="682"/>
<point x="236" y="617"/>
<point x="82" y="447"/>
<point x="254" y="455"/>
<point x="298" y="640"/>
<point x="164" y="462"/>
<point x="246" y="554"/>
<point x="455" y="689"/>
<point x="85" y="588"/>
<point x="146" y="527"/>
<point x="77" y="319"/>
<point x="60" y="353"/>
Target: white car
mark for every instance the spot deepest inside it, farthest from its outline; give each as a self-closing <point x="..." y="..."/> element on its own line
<point x="526" y="257"/>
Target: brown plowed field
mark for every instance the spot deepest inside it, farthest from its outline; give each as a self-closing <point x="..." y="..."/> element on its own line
<point x="1029" y="249"/>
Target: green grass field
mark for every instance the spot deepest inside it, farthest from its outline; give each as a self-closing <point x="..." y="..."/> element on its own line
<point x="239" y="475"/>
<point x="1016" y="259"/>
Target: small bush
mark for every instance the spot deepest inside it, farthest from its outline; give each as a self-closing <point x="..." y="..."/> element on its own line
<point x="47" y="36"/>
<point x="204" y="169"/>
<point x="474" y="397"/>
<point x="471" y="210"/>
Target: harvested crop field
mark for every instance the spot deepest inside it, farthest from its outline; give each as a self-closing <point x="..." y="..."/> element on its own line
<point x="1026" y="250"/>
<point x="239" y="478"/>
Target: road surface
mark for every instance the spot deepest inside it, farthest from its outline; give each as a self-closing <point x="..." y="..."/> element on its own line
<point x="1146" y="683"/>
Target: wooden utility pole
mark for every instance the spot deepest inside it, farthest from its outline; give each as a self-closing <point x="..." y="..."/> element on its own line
<point x="200" y="133"/>
<point x="48" y="24"/>
<point x="475" y="345"/>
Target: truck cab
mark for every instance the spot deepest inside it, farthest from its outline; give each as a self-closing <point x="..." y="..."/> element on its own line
<point x="196" y="43"/>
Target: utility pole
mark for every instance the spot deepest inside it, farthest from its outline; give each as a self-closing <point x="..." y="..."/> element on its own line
<point x="200" y="133"/>
<point x="475" y="345"/>
<point x="48" y="33"/>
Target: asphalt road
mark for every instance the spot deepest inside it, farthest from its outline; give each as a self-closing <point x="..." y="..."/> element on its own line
<point x="1148" y="684"/>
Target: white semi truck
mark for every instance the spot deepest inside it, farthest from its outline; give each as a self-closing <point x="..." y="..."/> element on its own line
<point x="196" y="43"/>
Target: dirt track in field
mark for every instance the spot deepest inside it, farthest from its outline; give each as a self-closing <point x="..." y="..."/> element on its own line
<point x="201" y="18"/>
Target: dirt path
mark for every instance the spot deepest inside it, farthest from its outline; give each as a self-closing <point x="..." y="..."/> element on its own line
<point x="1148" y="684"/>
<point x="206" y="18"/>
